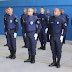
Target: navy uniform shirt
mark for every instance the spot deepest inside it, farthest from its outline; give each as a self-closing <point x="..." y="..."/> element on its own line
<point x="5" y="16"/>
<point x="44" y="20"/>
<point x="12" y="22"/>
<point x="48" y="15"/>
<point x="65" y="16"/>
<point x="32" y="24"/>
<point x="57" y="24"/>
<point x="36" y="14"/>
<point x="22" y="17"/>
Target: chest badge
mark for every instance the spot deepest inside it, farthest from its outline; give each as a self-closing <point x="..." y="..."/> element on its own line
<point x="42" y="18"/>
<point x="57" y="22"/>
<point x="31" y="22"/>
<point x="48" y="16"/>
<point x="10" y="21"/>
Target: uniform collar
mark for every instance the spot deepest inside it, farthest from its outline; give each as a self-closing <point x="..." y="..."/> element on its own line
<point x="48" y="13"/>
<point x="62" y="14"/>
<point x="11" y="15"/>
<point x="42" y="14"/>
<point x="30" y="16"/>
<point x="56" y="16"/>
<point x="24" y="14"/>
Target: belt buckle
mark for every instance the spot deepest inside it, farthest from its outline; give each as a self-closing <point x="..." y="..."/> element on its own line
<point x="8" y="29"/>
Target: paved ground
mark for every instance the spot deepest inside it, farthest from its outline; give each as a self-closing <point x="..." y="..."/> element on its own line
<point x="43" y="58"/>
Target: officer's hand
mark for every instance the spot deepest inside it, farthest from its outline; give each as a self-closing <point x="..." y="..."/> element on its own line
<point x="61" y="38"/>
<point x="15" y="35"/>
<point x="5" y="33"/>
<point x="46" y="30"/>
<point x="35" y="35"/>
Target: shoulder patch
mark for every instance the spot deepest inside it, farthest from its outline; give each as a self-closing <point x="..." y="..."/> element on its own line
<point x="65" y="24"/>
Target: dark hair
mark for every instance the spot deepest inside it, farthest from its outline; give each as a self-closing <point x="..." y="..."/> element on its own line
<point x="62" y="8"/>
<point x="6" y="8"/>
<point x="11" y="7"/>
<point x="42" y="7"/>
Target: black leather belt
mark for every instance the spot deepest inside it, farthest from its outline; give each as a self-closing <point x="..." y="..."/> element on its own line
<point x="56" y="35"/>
<point x="11" y="29"/>
<point x="31" y="31"/>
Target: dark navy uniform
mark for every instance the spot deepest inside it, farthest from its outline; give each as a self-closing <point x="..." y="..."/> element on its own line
<point x="12" y="26"/>
<point x="23" y="16"/>
<point x="56" y="25"/>
<point x="36" y="14"/>
<point x="66" y="17"/>
<point x="32" y="26"/>
<point x="5" y="25"/>
<point x="42" y="35"/>
<point x="48" y="15"/>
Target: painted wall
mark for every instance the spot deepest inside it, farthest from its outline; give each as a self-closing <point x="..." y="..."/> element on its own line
<point x="18" y="6"/>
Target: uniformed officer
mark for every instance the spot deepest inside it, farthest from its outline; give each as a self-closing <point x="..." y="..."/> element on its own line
<point x="43" y="32"/>
<point x="6" y="10"/>
<point x="35" y="12"/>
<point x="48" y="32"/>
<point x="66" y="17"/>
<point x="32" y="27"/>
<point x="57" y="23"/>
<point x="11" y="29"/>
<point x="23" y="16"/>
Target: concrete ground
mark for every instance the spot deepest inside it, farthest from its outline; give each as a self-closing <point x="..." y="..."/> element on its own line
<point x="43" y="58"/>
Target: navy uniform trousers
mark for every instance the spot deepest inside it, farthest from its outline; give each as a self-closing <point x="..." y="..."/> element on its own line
<point x="31" y="43"/>
<point x="24" y="37"/>
<point x="56" y="46"/>
<point x="42" y="36"/>
<point x="11" y="40"/>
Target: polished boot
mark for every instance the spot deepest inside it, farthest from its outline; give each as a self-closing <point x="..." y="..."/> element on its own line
<point x="6" y="45"/>
<point x="13" y="55"/>
<point x="32" y="59"/>
<point x="44" y="47"/>
<point x="54" y="63"/>
<point x="58" y="63"/>
<point x="9" y="55"/>
<point x="29" y="59"/>
<point x="41" y="46"/>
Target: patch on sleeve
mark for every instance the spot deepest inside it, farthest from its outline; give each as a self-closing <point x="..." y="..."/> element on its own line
<point x="65" y="24"/>
<point x="16" y="20"/>
<point x="38" y="22"/>
<point x="23" y="21"/>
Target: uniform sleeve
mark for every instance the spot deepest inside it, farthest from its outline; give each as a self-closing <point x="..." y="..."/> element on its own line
<point x="46" y="21"/>
<point x="49" y="22"/>
<point x="38" y="25"/>
<point x="24" y="26"/>
<point x="67" y="18"/>
<point x="21" y="19"/>
<point x="17" y="24"/>
<point x="5" y="24"/>
<point x="64" y="26"/>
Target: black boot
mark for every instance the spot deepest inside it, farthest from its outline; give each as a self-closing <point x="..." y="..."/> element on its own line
<point x="44" y="47"/>
<point x="24" y="46"/>
<point x="58" y="63"/>
<point x="6" y="45"/>
<point x="9" y="55"/>
<point x="54" y="63"/>
<point x="41" y="46"/>
<point x="29" y="59"/>
<point x="13" y="55"/>
<point x="32" y="59"/>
